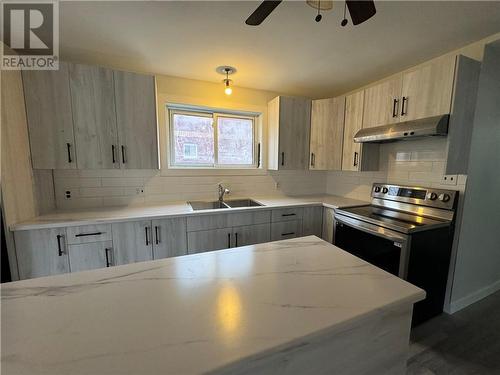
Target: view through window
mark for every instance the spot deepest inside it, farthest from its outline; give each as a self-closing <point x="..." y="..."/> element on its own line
<point x="211" y="139"/>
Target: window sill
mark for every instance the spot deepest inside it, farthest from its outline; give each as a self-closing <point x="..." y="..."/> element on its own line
<point x="209" y="171"/>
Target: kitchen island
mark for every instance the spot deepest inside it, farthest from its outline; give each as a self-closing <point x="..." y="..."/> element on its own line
<point x="295" y="306"/>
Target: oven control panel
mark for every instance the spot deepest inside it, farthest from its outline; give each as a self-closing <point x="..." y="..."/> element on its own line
<point x="432" y="197"/>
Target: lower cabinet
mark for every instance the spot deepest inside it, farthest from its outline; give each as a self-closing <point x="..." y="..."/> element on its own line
<point x="169" y="237"/>
<point x="132" y="242"/>
<point x="41" y="252"/>
<point x="328" y="221"/>
<point x="208" y="240"/>
<point x="283" y="230"/>
<point x="312" y="221"/>
<point x="251" y="234"/>
<point x="89" y="256"/>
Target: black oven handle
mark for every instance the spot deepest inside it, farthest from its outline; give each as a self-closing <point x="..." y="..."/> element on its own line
<point x="370" y="228"/>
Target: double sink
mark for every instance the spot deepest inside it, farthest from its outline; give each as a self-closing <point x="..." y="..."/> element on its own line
<point x="216" y="205"/>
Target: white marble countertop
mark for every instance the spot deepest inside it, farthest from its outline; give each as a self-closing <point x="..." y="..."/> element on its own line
<point x="192" y="314"/>
<point x="170" y="209"/>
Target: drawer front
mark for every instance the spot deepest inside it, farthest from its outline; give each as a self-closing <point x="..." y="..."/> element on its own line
<point x="88" y="233"/>
<point x="286" y="214"/>
<point x="286" y="229"/>
<point x="219" y="221"/>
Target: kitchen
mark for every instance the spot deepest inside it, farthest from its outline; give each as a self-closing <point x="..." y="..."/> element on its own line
<point x="282" y="221"/>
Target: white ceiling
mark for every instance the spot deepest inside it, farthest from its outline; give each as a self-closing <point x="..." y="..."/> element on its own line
<point x="288" y="53"/>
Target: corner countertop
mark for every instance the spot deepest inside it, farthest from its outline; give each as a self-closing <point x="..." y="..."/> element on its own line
<point x="171" y="209"/>
<point x="192" y="314"/>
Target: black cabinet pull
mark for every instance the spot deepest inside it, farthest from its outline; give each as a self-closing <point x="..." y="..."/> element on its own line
<point x="236" y="239"/>
<point x="355" y="158"/>
<point x="147" y="236"/>
<point x="108" y="262"/>
<point x="157" y="235"/>
<point x="113" y="153"/>
<point x="258" y="155"/>
<point x="59" y="248"/>
<point x="287" y="234"/>
<point x="288" y="214"/>
<point x="68" y="146"/>
<point x="403" y="109"/>
<point x="123" y="154"/>
<point x="228" y="240"/>
<point x="395" y="107"/>
<point x="282" y="158"/>
<point x="88" y="234"/>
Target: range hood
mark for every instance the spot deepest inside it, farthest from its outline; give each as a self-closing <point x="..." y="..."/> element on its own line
<point x="430" y="126"/>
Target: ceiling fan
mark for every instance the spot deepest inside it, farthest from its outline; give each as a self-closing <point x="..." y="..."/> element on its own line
<point x="360" y="10"/>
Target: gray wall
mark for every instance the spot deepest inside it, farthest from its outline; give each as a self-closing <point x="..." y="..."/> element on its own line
<point x="477" y="270"/>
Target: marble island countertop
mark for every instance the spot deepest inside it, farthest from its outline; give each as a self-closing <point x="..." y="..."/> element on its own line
<point x="171" y="209"/>
<point x="194" y="314"/>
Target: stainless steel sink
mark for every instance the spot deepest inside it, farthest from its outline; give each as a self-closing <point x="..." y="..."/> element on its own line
<point x="214" y="205"/>
<point x="242" y="203"/>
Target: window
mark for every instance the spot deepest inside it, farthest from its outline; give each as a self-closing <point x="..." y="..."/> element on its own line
<point x="211" y="139"/>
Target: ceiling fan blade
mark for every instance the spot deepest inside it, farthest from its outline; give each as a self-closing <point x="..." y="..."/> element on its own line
<point x="361" y="10"/>
<point x="262" y="11"/>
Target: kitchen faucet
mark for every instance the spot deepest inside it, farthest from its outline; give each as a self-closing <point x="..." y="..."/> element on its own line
<point x="222" y="192"/>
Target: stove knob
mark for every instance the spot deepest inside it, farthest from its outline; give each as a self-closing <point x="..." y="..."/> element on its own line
<point x="444" y="197"/>
<point x="377" y="189"/>
<point x="385" y="190"/>
<point x="432" y="196"/>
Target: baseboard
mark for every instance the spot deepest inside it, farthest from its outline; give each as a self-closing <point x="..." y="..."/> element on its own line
<point x="473" y="297"/>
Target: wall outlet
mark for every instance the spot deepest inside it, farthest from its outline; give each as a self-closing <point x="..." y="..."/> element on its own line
<point x="449" y="179"/>
<point x="139" y="191"/>
<point x="67" y="194"/>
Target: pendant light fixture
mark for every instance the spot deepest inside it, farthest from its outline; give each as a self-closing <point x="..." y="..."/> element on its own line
<point x="226" y="70"/>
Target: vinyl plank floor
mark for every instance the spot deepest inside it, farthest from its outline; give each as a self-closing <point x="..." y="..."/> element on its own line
<point x="465" y="343"/>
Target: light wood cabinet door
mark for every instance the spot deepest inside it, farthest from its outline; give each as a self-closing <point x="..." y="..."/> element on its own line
<point x="353" y="123"/>
<point x="132" y="242"/>
<point x="328" y="221"/>
<point x="50" y="121"/>
<point x="136" y="120"/>
<point x="381" y="103"/>
<point x="294" y="132"/>
<point x="428" y="90"/>
<point x="90" y="256"/>
<point x="169" y="238"/>
<point x="327" y="131"/>
<point x="251" y="234"/>
<point x="209" y="240"/>
<point x="41" y="252"/>
<point x="312" y="221"/>
<point x="94" y="116"/>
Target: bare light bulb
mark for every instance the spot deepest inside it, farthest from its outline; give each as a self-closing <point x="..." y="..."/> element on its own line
<point x="228" y="90"/>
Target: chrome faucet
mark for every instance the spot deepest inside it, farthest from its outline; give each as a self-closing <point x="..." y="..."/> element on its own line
<point x="222" y="191"/>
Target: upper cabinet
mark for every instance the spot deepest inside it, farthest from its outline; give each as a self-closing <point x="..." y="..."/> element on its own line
<point x="289" y="120"/>
<point x="94" y="116"/>
<point x="89" y="117"/>
<point x="327" y="129"/>
<point x="50" y="122"/>
<point x="381" y="105"/>
<point x="427" y="90"/>
<point x="136" y="119"/>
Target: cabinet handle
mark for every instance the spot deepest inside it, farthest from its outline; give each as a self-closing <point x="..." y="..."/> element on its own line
<point x="313" y="159"/>
<point x="147" y="236"/>
<point x="288" y="215"/>
<point x="157" y="235"/>
<point x="113" y="153"/>
<point x="395" y="107"/>
<point x="59" y="248"/>
<point x="123" y="154"/>
<point x="108" y="262"/>
<point x="403" y="109"/>
<point x="282" y="158"/>
<point x="355" y="158"/>
<point x="68" y="146"/>
<point x="287" y="234"/>
<point x="258" y="155"/>
<point x="228" y="240"/>
<point x="88" y="234"/>
<point x="236" y="239"/>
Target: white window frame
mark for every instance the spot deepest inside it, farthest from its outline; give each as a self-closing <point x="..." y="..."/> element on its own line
<point x="215" y="114"/>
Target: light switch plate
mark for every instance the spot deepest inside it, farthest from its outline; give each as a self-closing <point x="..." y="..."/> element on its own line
<point x="449" y="179"/>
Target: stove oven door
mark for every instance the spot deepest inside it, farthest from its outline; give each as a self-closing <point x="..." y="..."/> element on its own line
<point x="379" y="246"/>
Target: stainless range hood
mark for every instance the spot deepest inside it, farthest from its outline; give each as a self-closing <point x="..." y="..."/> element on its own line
<point x="430" y="126"/>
